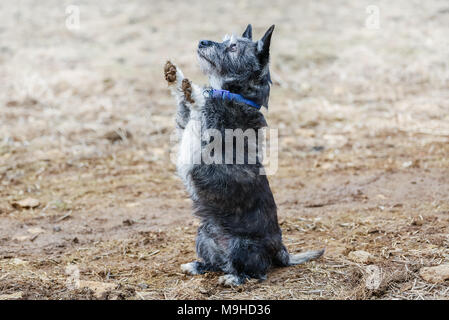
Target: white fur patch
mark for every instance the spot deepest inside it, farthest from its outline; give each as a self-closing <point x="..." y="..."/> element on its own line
<point x="229" y="280"/>
<point x="189" y="152"/>
<point x="215" y="82"/>
<point x="189" y="268"/>
<point x="198" y="97"/>
<point x="259" y="45"/>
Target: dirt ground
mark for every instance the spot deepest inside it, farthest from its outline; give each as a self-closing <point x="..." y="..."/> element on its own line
<point x="85" y="126"/>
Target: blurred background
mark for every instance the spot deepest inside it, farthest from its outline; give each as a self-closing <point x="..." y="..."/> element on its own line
<point x="360" y="98"/>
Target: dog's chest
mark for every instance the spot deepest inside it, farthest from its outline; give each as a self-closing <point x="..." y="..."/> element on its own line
<point x="189" y="152"/>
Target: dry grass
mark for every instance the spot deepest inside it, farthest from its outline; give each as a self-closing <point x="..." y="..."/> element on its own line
<point x="363" y="162"/>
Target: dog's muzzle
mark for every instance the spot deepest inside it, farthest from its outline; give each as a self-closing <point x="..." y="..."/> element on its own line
<point x="204" y="44"/>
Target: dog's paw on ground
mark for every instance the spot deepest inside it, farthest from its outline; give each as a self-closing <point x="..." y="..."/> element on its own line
<point x="187" y="89"/>
<point x="229" y="280"/>
<point x="170" y="72"/>
<point x="189" y="268"/>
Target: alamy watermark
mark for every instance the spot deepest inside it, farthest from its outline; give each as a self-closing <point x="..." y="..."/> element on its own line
<point x="72" y="21"/>
<point x="230" y="146"/>
<point x="373" y="19"/>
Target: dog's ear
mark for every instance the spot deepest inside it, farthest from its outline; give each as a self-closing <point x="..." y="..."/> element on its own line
<point x="248" y="32"/>
<point x="263" y="46"/>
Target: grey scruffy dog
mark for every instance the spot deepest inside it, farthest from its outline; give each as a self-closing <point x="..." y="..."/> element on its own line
<point x="239" y="232"/>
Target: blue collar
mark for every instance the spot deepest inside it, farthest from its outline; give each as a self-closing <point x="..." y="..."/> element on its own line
<point x="226" y="95"/>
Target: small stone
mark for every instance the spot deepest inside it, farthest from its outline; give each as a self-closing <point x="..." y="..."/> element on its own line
<point x="436" y="274"/>
<point x="145" y="295"/>
<point x="118" y="135"/>
<point x="28" y="203"/>
<point x="128" y="222"/>
<point x="411" y="164"/>
<point x="12" y="103"/>
<point x="407" y="164"/>
<point x="142" y="286"/>
<point x="99" y="288"/>
<point x="360" y="256"/>
<point x="18" y="262"/>
<point x="21" y="238"/>
<point x="36" y="230"/>
<point x="12" y="296"/>
<point x="132" y="204"/>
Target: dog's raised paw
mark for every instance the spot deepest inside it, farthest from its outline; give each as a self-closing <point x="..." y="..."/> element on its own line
<point x="190" y="268"/>
<point x="187" y="89"/>
<point x="170" y="72"/>
<point x="229" y="280"/>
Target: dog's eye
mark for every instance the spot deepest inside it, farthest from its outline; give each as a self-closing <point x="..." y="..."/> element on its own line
<point x="233" y="47"/>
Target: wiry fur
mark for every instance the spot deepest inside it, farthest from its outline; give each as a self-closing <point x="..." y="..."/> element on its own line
<point x="239" y="232"/>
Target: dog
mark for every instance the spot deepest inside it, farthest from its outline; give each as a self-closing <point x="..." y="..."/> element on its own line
<point x="239" y="233"/>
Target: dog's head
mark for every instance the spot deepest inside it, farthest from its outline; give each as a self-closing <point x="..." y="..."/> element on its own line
<point x="239" y="64"/>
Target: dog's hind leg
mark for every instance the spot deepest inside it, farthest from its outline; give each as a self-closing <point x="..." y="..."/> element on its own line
<point x="247" y="259"/>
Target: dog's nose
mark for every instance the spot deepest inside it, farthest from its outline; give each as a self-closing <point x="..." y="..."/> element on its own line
<point x="204" y="43"/>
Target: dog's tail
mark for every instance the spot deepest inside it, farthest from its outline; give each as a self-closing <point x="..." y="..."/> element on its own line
<point x="304" y="257"/>
<point x="285" y="259"/>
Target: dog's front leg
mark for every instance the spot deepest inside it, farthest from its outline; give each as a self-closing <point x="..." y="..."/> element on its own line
<point x="188" y="95"/>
